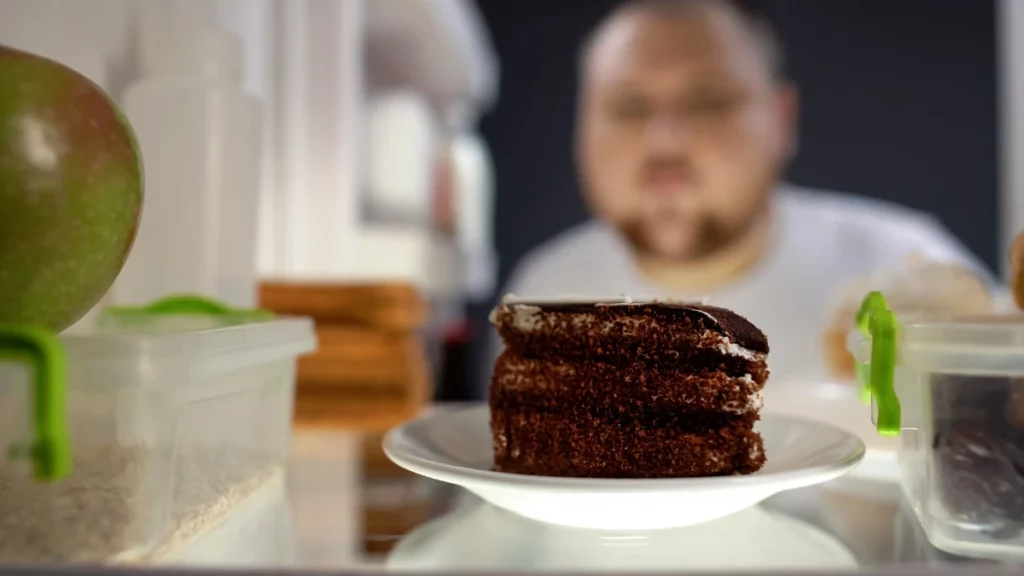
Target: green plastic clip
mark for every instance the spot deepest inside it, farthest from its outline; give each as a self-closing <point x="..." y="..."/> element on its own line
<point x="864" y="379"/>
<point x="875" y="320"/>
<point x="43" y="352"/>
<point x="190" y="305"/>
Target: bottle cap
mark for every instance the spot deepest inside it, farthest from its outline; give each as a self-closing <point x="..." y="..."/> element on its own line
<point x="209" y="53"/>
<point x="161" y="22"/>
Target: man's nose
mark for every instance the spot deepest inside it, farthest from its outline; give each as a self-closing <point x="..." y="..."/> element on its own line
<point x="667" y="133"/>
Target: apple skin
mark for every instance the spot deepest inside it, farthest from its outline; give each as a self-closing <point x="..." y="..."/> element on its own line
<point x="71" y="191"/>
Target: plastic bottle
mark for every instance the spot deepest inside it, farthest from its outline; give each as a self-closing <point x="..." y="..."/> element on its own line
<point x="200" y="136"/>
<point x="474" y="208"/>
<point x="402" y="145"/>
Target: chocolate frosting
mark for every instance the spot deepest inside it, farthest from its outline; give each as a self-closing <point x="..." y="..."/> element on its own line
<point x="726" y="322"/>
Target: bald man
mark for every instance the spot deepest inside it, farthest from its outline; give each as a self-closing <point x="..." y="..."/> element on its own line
<point x="686" y="124"/>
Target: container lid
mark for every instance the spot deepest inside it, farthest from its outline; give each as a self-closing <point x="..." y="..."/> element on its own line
<point x="207" y="333"/>
<point x="974" y="345"/>
<point x="179" y="313"/>
<point x="963" y="345"/>
<point x="197" y="335"/>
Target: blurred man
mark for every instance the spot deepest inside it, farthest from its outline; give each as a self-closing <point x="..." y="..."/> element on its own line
<point x="685" y="127"/>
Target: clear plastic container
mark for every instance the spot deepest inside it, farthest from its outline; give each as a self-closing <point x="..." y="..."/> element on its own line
<point x="171" y="426"/>
<point x="953" y="391"/>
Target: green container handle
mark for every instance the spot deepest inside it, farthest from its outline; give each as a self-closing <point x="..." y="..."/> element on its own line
<point x="44" y="353"/>
<point x="190" y="305"/>
<point x="876" y="321"/>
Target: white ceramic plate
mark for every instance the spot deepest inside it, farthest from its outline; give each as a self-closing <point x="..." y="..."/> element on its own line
<point x="454" y="445"/>
<point x="838" y="404"/>
<point x="483" y="537"/>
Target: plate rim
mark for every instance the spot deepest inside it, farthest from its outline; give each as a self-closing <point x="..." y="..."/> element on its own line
<point x="881" y="462"/>
<point x="790" y="478"/>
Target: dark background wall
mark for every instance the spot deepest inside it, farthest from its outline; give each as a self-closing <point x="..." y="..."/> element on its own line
<point x="899" y="103"/>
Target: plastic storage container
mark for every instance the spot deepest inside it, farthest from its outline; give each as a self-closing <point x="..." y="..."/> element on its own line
<point x="953" y="391"/>
<point x="171" y="427"/>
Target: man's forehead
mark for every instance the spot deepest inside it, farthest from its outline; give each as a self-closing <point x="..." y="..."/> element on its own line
<point x="699" y="38"/>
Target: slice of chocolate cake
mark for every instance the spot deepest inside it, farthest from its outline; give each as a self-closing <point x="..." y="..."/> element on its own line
<point x="622" y="389"/>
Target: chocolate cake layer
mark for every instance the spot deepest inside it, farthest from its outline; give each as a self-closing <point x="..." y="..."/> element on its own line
<point x="655" y="332"/>
<point x="633" y="388"/>
<point x="626" y="390"/>
<point x="547" y="444"/>
<point x="684" y="423"/>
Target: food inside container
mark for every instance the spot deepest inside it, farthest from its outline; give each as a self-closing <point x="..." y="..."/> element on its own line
<point x="953" y="392"/>
<point x="914" y="287"/>
<point x="170" y="429"/>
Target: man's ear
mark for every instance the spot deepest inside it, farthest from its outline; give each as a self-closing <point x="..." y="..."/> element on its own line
<point x="787" y="104"/>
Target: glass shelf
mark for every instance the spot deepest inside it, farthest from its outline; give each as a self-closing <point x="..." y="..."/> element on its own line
<point x="350" y="510"/>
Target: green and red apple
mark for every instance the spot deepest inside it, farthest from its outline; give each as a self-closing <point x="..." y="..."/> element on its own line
<point x="70" y="192"/>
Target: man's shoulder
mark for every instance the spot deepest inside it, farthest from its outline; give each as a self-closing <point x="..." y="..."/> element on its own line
<point x="859" y="216"/>
<point x="874" y="232"/>
<point x="840" y="207"/>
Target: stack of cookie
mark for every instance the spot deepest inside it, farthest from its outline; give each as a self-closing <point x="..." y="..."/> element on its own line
<point x="370" y="371"/>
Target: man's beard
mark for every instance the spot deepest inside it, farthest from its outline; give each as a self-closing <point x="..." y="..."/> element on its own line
<point x="711" y="237"/>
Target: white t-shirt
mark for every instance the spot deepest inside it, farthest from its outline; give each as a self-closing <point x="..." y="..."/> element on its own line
<point x="821" y="241"/>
